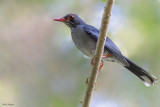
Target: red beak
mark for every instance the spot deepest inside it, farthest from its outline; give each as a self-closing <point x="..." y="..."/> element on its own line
<point x="60" y="19"/>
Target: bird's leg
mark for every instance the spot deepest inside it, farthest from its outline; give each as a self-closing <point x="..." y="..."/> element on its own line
<point x="101" y="65"/>
<point x="106" y="55"/>
<point x="92" y="63"/>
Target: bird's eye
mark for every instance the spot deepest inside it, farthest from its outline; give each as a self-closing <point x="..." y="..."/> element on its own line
<point x="70" y="17"/>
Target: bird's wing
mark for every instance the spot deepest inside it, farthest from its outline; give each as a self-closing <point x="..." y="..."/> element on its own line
<point x="114" y="49"/>
<point x="91" y="31"/>
<point x="109" y="45"/>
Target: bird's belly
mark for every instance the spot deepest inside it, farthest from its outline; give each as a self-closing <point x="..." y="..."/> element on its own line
<point x="85" y="44"/>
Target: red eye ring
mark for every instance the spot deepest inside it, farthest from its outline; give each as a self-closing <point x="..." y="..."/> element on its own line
<point x="70" y="17"/>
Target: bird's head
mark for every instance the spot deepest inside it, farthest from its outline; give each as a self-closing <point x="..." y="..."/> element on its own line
<point x="71" y="20"/>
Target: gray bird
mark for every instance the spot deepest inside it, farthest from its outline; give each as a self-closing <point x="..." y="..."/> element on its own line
<point x="85" y="38"/>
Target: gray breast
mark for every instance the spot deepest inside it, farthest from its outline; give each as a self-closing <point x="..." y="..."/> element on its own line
<point x="83" y="42"/>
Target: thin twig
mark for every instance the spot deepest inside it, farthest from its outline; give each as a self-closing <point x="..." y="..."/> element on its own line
<point x="99" y="52"/>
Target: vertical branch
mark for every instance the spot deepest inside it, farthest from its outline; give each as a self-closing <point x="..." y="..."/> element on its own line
<point x="99" y="52"/>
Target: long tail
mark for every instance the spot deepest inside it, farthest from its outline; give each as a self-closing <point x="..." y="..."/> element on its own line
<point x="147" y="78"/>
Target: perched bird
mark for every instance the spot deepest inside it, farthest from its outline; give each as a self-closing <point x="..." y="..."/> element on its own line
<point x="85" y="38"/>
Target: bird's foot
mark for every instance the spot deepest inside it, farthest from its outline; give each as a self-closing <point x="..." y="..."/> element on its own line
<point x="101" y="64"/>
<point x="106" y="55"/>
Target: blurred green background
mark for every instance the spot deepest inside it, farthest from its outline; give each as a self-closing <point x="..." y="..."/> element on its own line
<point x="41" y="67"/>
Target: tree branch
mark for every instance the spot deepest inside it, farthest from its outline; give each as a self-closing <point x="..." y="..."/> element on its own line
<point x="99" y="52"/>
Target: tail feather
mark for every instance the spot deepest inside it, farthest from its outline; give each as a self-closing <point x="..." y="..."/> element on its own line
<point x="147" y="78"/>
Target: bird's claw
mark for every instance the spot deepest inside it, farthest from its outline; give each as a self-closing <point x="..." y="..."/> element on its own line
<point x="101" y="64"/>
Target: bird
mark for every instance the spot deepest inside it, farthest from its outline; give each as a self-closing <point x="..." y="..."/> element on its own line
<point x="85" y="38"/>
